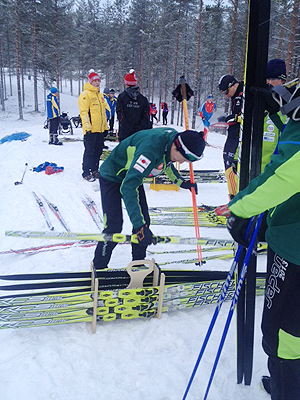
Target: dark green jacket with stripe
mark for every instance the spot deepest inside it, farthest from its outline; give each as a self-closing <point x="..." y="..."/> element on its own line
<point x="277" y="189"/>
<point x="144" y="154"/>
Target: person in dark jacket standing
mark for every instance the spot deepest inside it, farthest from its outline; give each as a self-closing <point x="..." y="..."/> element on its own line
<point x="53" y="113"/>
<point x="132" y="108"/>
<point x="146" y="153"/>
<point x="164" y="107"/>
<point x="233" y="89"/>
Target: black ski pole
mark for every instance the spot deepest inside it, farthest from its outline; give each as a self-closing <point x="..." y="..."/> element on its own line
<point x="21" y="181"/>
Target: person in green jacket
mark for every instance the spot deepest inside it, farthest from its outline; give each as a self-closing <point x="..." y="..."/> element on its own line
<point x="143" y="154"/>
<point x="277" y="189"/>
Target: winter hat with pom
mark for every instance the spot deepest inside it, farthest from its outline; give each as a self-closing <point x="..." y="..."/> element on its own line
<point x="93" y="76"/>
<point x="130" y="79"/>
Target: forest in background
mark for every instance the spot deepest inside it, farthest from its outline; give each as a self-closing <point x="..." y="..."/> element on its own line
<point x="51" y="41"/>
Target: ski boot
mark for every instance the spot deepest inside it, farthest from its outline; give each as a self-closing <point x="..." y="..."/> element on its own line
<point x="265" y="384"/>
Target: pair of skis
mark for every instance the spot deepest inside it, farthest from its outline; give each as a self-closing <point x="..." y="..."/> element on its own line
<point x="53" y="208"/>
<point x="87" y="201"/>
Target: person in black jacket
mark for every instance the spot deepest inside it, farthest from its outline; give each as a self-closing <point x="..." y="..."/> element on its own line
<point x="132" y="108"/>
<point x="233" y="89"/>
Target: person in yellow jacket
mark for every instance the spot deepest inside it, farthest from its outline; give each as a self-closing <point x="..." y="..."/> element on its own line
<point x="92" y="106"/>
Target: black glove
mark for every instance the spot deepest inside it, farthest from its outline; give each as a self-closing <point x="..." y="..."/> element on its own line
<point x="145" y="236"/>
<point x="261" y="235"/>
<point x="233" y="118"/>
<point x="189" y="185"/>
<point x="229" y="118"/>
<point x="270" y="104"/>
<point x="237" y="227"/>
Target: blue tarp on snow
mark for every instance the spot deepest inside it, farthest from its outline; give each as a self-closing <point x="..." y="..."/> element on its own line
<point x="15" y="136"/>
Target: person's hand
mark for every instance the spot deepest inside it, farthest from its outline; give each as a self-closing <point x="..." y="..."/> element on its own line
<point x="189" y="185"/>
<point x="233" y="118"/>
<point x="237" y="227"/>
<point x="145" y="236"/>
<point x="230" y="118"/>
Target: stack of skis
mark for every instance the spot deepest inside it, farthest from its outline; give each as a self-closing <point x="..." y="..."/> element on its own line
<point x="43" y="299"/>
<point x="40" y="299"/>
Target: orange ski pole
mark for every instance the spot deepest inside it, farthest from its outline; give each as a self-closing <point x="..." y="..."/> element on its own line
<point x="192" y="178"/>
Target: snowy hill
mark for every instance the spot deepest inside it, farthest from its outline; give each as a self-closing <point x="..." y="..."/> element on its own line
<point x="129" y="360"/>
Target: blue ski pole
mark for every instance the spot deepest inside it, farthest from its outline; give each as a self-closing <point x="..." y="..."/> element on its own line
<point x="217" y="310"/>
<point x="234" y="301"/>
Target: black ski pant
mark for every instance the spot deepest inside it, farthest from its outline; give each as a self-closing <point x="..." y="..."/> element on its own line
<point x="113" y="222"/>
<point x="231" y="145"/>
<point x="281" y="327"/>
<point x="111" y="124"/>
<point x="53" y="127"/>
<point x="165" y="115"/>
<point x="93" y="147"/>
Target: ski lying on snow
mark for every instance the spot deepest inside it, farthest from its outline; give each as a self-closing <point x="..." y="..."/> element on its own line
<point x="178" y="209"/>
<point x="93" y="211"/>
<point x="57" y="213"/>
<point x="201" y="176"/>
<point x="261" y="248"/>
<point x="43" y="211"/>
<point x="207" y="219"/>
<point x="118" y="238"/>
<point x="50" y="247"/>
<point x="108" y="279"/>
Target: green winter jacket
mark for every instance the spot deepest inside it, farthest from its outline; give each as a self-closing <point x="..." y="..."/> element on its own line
<point x="145" y="153"/>
<point x="277" y="189"/>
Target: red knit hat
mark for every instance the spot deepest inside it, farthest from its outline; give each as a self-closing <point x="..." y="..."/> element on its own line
<point x="130" y="79"/>
<point x="93" y="76"/>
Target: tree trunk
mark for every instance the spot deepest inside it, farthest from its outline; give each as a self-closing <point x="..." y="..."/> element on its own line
<point x="174" y="75"/>
<point x="1" y="79"/>
<point x="160" y="97"/>
<point x="291" y="43"/>
<point x="23" y="86"/>
<point x="233" y="33"/>
<point x="242" y="70"/>
<point x="71" y="85"/>
<point x="281" y="32"/>
<point x="35" y="91"/>
<point x="166" y="71"/>
<point x="141" y="63"/>
<point x="17" y="58"/>
<point x="56" y="45"/>
<point x="196" y="74"/>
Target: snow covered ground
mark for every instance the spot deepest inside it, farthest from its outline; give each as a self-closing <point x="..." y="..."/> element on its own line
<point x="129" y="360"/>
